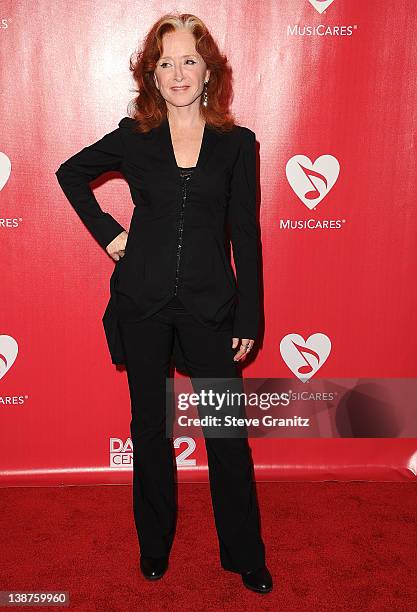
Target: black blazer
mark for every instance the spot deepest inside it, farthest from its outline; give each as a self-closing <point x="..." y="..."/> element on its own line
<point x="221" y="204"/>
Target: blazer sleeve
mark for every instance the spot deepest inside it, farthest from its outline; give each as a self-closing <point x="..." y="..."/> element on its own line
<point x="245" y="237"/>
<point x="75" y="174"/>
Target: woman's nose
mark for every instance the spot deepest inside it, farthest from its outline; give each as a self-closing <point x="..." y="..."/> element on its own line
<point x="178" y="73"/>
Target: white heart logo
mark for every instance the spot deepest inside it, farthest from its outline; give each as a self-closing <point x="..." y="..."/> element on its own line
<point x="305" y="357"/>
<point x="5" y="169"/>
<point x="8" y="353"/>
<point x="321" y="5"/>
<point x="312" y="182"/>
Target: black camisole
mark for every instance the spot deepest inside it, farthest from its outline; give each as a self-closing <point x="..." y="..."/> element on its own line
<point x="185" y="174"/>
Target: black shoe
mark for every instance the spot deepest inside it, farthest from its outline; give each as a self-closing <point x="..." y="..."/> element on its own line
<point x="153" y="568"/>
<point x="259" y="580"/>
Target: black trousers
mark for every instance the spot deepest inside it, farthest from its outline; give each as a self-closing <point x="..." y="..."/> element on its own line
<point x="148" y="349"/>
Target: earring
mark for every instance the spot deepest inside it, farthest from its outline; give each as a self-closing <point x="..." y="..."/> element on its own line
<point x="205" y="96"/>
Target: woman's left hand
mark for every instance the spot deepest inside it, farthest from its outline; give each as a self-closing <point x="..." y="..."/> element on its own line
<point x="245" y="347"/>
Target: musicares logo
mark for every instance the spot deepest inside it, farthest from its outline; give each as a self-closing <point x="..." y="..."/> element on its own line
<point x="305" y="357"/>
<point x="8" y="353"/>
<point x="311" y="182"/>
<point x="320" y="29"/>
<point x="5" y="169"/>
<point x="321" y="5"/>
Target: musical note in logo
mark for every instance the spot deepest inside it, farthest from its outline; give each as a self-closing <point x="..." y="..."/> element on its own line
<point x="314" y="352"/>
<point x="315" y="193"/>
<point x="312" y="185"/>
<point x="303" y="349"/>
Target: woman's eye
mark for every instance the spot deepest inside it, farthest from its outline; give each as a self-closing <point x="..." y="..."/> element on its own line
<point x="163" y="64"/>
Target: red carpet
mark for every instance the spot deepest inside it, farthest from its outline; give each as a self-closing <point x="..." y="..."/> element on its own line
<point x="330" y="546"/>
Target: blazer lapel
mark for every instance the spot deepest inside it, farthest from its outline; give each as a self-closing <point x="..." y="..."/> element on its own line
<point x="210" y="140"/>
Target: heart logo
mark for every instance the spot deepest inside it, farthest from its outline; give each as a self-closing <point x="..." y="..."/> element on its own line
<point x="312" y="182"/>
<point x="8" y="353"/>
<point x="5" y="169"/>
<point x="305" y="357"/>
<point x="321" y="5"/>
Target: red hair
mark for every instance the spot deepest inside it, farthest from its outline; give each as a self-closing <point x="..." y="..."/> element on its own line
<point x="149" y="107"/>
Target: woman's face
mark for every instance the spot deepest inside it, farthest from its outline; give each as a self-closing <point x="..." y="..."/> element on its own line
<point x="180" y="72"/>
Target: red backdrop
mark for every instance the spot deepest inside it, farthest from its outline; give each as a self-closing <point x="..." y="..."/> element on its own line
<point x="312" y="79"/>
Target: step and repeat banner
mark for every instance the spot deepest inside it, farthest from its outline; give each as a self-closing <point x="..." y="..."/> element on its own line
<point x="330" y="89"/>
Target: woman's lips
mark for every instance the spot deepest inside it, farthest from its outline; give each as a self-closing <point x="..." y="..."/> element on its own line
<point x="182" y="88"/>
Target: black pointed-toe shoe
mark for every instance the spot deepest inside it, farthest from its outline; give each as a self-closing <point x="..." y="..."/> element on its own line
<point x="153" y="568"/>
<point x="259" y="580"/>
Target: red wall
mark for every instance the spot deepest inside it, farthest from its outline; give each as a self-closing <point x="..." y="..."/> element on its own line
<point x="343" y="86"/>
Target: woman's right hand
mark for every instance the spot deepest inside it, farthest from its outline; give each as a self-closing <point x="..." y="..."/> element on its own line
<point x="116" y="248"/>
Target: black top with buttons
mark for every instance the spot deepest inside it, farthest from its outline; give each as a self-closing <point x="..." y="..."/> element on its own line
<point x="185" y="174"/>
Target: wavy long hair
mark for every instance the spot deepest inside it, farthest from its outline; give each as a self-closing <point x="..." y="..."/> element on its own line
<point x="148" y="108"/>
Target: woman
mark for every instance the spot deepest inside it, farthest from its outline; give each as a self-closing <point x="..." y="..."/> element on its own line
<point x="192" y="174"/>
